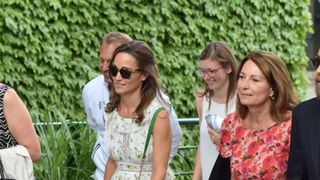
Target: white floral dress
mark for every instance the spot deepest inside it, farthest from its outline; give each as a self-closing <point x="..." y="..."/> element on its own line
<point x="125" y="142"/>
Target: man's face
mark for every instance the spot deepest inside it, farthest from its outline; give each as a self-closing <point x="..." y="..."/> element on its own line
<point x="106" y="51"/>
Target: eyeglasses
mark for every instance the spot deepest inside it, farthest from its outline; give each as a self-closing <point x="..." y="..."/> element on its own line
<point x="210" y="71"/>
<point x="316" y="61"/>
<point x="124" y="72"/>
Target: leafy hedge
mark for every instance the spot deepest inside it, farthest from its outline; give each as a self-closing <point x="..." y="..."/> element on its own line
<point x="49" y="48"/>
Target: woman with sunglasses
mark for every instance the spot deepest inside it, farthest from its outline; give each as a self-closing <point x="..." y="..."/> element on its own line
<point x="217" y="68"/>
<point x="134" y="101"/>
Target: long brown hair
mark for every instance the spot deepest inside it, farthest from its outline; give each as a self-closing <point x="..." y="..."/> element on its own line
<point x="150" y="86"/>
<point x="220" y="52"/>
<point x="277" y="75"/>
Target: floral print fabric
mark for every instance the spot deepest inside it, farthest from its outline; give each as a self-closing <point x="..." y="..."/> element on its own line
<point x="255" y="154"/>
<point x="125" y="141"/>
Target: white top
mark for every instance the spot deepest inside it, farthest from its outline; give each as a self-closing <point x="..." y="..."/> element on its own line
<point x="95" y="96"/>
<point x="125" y="141"/>
<point x="208" y="150"/>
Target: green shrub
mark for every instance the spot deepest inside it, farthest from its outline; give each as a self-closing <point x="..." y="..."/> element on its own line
<point x="49" y="49"/>
<point x="66" y="150"/>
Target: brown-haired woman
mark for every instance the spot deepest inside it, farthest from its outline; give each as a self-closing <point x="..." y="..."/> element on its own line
<point x="128" y="115"/>
<point x="217" y="68"/>
<point x="257" y="136"/>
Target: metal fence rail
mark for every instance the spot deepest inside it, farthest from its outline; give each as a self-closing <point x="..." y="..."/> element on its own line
<point x="182" y="121"/>
<point x="187" y="122"/>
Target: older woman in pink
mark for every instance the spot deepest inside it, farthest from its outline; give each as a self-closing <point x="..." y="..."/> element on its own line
<point x="257" y="136"/>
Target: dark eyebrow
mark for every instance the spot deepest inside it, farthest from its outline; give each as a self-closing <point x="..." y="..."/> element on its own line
<point x="256" y="76"/>
<point x="252" y="76"/>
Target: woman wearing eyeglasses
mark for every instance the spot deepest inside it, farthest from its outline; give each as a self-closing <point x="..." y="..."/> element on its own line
<point x="217" y="68"/>
<point x="128" y="117"/>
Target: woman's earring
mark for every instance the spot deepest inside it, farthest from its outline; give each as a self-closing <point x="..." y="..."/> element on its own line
<point x="272" y="98"/>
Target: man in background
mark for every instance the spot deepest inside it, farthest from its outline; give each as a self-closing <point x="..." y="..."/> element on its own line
<point x="304" y="156"/>
<point x="95" y="96"/>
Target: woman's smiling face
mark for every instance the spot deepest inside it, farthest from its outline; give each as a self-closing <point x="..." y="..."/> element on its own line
<point x="122" y="85"/>
<point x="214" y="74"/>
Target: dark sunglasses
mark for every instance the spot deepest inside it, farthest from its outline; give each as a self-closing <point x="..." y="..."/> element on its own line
<point x="124" y="72"/>
<point x="316" y="61"/>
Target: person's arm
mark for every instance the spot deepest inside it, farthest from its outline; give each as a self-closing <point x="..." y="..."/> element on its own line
<point x="175" y="127"/>
<point x="86" y="104"/>
<point x="161" y="135"/>
<point x="20" y="124"/>
<point x="85" y="99"/>
<point x="175" y="132"/>
<point x="197" y="175"/>
<point x="110" y="169"/>
<point x="296" y="167"/>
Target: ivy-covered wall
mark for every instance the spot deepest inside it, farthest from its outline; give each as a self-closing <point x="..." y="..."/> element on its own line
<point x="49" y="48"/>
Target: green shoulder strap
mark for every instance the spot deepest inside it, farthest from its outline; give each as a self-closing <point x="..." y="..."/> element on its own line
<point x="150" y="131"/>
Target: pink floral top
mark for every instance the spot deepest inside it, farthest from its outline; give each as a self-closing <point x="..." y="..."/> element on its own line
<point x="255" y="154"/>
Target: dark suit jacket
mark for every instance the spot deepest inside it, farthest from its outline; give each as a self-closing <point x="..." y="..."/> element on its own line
<point x="304" y="156"/>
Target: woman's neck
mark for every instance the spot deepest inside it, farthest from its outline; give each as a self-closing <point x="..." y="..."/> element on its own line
<point x="220" y="94"/>
<point x="128" y="105"/>
<point x="259" y="119"/>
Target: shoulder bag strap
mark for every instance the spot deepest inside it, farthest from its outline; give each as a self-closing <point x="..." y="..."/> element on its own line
<point x="148" y="138"/>
<point x="150" y="131"/>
